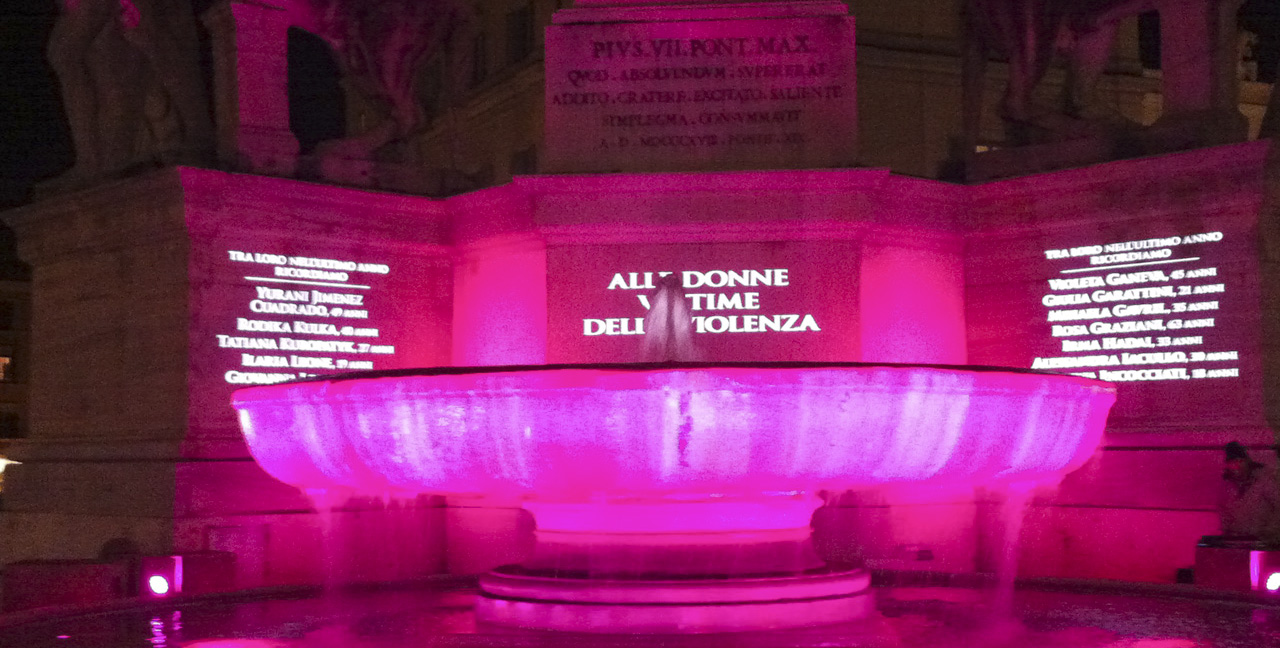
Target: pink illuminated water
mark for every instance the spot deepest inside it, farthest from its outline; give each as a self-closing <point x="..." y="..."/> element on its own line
<point x="576" y="434"/>
<point x="910" y="618"/>
<point x="668" y="329"/>
<point x="641" y="477"/>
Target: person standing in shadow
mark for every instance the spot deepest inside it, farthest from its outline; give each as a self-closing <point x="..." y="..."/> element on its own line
<point x="1249" y="503"/>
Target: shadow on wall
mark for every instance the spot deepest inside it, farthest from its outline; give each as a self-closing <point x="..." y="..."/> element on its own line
<point x="317" y="108"/>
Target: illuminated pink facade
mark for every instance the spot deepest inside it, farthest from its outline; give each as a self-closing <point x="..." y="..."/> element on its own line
<point x="1151" y="273"/>
<point x="891" y="269"/>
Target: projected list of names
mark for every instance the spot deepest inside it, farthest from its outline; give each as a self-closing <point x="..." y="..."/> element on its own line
<point x="306" y="316"/>
<point x="1142" y="310"/>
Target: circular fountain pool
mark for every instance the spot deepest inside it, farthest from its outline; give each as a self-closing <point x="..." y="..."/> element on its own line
<point x="908" y="617"/>
<point x="639" y="477"/>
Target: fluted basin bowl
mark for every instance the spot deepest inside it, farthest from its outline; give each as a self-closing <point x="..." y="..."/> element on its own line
<point x="573" y="433"/>
<point x="675" y="497"/>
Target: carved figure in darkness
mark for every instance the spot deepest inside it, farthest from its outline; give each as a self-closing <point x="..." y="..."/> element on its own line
<point x="1030" y="33"/>
<point x="381" y="46"/>
<point x="131" y="83"/>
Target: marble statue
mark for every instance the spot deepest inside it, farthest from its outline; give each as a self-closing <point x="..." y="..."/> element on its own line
<point x="131" y="84"/>
<point x="1030" y="34"/>
<point x="380" y="47"/>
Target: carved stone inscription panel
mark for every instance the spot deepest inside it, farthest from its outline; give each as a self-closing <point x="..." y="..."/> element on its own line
<point x="701" y="95"/>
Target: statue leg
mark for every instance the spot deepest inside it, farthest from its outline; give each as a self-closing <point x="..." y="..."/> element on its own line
<point x="1093" y="32"/>
<point x="361" y="146"/>
<point x="1088" y="60"/>
<point x="973" y="85"/>
<point x="389" y="82"/>
<point x="69" y="43"/>
<point x="166" y="36"/>
<point x="121" y="90"/>
<point x="1029" y="54"/>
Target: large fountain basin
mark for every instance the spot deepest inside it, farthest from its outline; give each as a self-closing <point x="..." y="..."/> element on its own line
<point x="572" y="433"/>
<point x="671" y="498"/>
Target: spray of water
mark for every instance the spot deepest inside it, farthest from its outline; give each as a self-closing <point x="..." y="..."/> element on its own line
<point x="326" y="503"/>
<point x="668" y="327"/>
<point x="1013" y="511"/>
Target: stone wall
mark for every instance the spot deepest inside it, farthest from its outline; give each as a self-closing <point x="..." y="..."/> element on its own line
<point x="1136" y="510"/>
<point x="132" y="438"/>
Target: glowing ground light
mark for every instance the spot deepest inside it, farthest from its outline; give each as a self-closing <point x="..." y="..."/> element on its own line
<point x="1273" y="582"/>
<point x="159" y="585"/>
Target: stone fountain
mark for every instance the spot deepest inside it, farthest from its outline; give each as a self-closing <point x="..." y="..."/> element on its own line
<point x="638" y="476"/>
<point x="676" y="496"/>
<point x="671" y="497"/>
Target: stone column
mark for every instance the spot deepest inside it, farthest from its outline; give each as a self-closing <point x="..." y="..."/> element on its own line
<point x="1198" y="66"/>
<point x="107" y="399"/>
<point x="251" y="86"/>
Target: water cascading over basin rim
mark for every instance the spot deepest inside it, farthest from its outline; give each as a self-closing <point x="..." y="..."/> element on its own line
<point x="575" y="432"/>
<point x="671" y="497"/>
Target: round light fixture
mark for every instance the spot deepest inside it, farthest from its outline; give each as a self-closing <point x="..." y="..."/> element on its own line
<point x="159" y="585"/>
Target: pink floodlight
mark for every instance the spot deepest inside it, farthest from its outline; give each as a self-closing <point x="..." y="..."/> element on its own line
<point x="159" y="585"/>
<point x="1273" y="582"/>
<point x="648" y="473"/>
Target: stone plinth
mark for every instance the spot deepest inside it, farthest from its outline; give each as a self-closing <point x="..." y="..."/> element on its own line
<point x="1128" y="270"/>
<point x="154" y="298"/>
<point x="848" y="241"/>
<point x="251" y="74"/>
<point x="701" y="87"/>
<point x="134" y="283"/>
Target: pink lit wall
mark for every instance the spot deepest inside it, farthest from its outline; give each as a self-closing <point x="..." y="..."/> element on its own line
<point x="287" y="279"/>
<point x="1136" y="510"/>
<point x="500" y="313"/>
<point x="1150" y="279"/>
<point x="293" y="280"/>
<point x="775" y="266"/>
<point x="499" y="278"/>
<point x="912" y="304"/>
<point x="553" y="269"/>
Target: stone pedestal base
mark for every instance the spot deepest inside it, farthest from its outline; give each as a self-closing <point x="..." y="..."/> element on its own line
<point x="1239" y="566"/>
<point x="673" y="566"/>
<point x="544" y="602"/>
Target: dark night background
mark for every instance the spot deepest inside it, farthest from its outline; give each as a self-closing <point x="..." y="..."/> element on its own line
<point x="35" y="144"/>
<point x="34" y="140"/>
